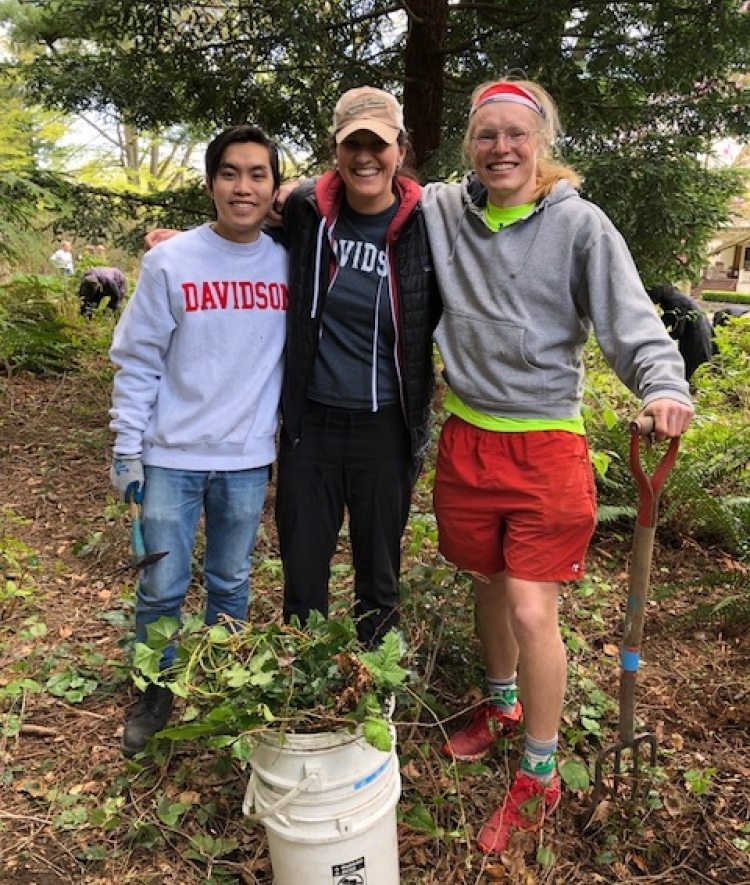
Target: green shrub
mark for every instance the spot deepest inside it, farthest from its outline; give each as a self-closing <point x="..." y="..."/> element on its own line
<point x="38" y="325"/>
<point x="707" y="494"/>
<point x="41" y="330"/>
<point x="728" y="297"/>
<point x="711" y="476"/>
<point x="723" y="384"/>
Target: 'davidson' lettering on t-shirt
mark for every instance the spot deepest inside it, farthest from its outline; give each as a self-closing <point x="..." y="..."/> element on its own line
<point x="364" y="257"/>
<point x="235" y="295"/>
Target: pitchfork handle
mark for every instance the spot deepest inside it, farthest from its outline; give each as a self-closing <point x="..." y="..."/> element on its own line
<point x="649" y="489"/>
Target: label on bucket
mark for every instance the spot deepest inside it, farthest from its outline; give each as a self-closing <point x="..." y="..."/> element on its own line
<point x="351" y="873"/>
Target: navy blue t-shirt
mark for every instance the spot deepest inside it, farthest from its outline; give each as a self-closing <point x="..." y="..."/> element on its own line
<point x="356" y="363"/>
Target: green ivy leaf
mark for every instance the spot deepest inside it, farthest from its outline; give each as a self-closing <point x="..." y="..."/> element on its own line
<point x="146" y="660"/>
<point x="242" y="750"/>
<point x="171" y="812"/>
<point x="58" y="684"/>
<point x="420" y="818"/>
<point x="178" y="689"/>
<point x="205" y="847"/>
<point x="377" y="733"/>
<point x="187" y="732"/>
<point x="575" y="775"/>
<point x="591" y="725"/>
<point x="237" y="676"/>
<point x="259" y="660"/>
<point x="219" y="635"/>
<point x="76" y="694"/>
<point x="161" y="632"/>
<point x="261" y="679"/>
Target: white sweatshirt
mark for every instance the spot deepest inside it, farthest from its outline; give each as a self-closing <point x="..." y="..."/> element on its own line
<point x="199" y="352"/>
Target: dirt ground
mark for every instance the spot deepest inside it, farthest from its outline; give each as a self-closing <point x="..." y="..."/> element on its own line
<point x="693" y="694"/>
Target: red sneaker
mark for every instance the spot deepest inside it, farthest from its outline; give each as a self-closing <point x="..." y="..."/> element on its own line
<point x="528" y="803"/>
<point x="488" y="725"/>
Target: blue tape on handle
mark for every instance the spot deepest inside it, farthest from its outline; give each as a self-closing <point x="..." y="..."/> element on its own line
<point x="630" y="660"/>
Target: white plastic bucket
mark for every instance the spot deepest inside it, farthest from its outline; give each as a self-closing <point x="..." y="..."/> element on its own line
<point x="328" y="803"/>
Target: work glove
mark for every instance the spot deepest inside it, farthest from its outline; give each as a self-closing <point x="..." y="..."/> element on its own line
<point x="126" y="475"/>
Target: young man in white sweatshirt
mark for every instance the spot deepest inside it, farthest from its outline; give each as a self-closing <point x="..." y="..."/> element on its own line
<point x="195" y="401"/>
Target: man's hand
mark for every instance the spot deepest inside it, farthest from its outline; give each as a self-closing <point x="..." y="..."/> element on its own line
<point x="159" y="235"/>
<point x="126" y="475"/>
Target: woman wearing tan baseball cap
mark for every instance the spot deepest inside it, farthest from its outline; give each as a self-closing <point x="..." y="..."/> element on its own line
<point x="371" y="109"/>
<point x="358" y="382"/>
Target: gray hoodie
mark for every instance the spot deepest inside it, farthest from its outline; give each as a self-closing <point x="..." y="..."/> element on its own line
<point x="519" y="305"/>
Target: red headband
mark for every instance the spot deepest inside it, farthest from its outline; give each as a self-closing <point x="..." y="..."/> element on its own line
<point x="508" y="92"/>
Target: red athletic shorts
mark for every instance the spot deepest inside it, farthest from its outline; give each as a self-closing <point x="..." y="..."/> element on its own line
<point x="520" y="503"/>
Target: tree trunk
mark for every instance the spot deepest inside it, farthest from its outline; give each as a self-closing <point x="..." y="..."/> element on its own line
<point x="423" y="81"/>
<point x="131" y="155"/>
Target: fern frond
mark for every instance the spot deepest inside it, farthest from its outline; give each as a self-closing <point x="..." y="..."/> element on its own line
<point x="690" y="508"/>
<point x="609" y="513"/>
<point x="731" y="612"/>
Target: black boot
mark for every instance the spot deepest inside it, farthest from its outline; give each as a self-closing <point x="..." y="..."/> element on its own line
<point x="150" y="715"/>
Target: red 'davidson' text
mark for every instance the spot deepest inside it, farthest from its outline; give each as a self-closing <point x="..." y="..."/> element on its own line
<point x="235" y="295"/>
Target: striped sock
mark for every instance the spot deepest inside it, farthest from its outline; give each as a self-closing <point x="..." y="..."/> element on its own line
<point x="539" y="758"/>
<point x="503" y="693"/>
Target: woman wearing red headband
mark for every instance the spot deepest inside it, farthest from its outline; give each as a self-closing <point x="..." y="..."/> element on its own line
<point x="527" y="269"/>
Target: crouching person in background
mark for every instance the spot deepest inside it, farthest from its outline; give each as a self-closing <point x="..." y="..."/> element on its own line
<point x="99" y="283"/>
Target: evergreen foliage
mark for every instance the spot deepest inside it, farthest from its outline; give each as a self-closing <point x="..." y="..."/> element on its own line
<point x="644" y="88"/>
<point x="122" y="217"/>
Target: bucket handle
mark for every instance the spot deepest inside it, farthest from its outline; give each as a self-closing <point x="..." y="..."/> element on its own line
<point x="280" y="803"/>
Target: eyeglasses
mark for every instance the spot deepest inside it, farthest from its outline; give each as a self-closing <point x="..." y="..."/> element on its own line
<point x="514" y="135"/>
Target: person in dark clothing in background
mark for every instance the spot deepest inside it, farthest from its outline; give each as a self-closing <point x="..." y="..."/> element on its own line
<point x="686" y="324"/>
<point x="725" y="314"/>
<point x="99" y="283"/>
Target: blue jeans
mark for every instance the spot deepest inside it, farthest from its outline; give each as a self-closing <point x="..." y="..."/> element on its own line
<point x="172" y="505"/>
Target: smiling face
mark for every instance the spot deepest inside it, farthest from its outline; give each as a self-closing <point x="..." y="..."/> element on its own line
<point x="243" y="191"/>
<point x="508" y="171"/>
<point x="367" y="165"/>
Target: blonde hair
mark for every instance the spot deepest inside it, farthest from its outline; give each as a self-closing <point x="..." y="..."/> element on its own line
<point x="548" y="170"/>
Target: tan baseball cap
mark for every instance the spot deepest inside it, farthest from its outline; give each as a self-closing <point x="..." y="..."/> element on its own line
<point x="371" y="109"/>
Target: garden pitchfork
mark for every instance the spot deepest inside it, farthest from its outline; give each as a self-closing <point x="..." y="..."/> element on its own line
<point x="649" y="489"/>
